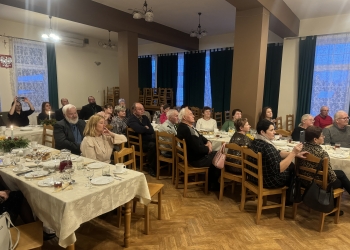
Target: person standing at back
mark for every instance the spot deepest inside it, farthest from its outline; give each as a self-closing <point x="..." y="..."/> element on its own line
<point x="58" y="113"/>
<point x="90" y="109"/>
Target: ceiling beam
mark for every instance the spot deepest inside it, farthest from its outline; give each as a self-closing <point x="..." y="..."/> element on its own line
<point x="283" y="22"/>
<point x="104" y="17"/>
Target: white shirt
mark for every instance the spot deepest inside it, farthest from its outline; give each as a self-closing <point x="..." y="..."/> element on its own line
<point x="208" y="125"/>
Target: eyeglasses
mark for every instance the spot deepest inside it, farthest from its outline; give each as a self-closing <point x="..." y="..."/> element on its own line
<point x="344" y="118"/>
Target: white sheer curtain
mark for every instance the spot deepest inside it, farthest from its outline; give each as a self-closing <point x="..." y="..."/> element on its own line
<point x="331" y="80"/>
<point x="29" y="71"/>
<point x="180" y="80"/>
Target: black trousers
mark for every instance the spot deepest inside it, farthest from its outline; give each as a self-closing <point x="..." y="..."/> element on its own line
<point x="151" y="150"/>
<point x="342" y="181"/>
<point x="206" y="161"/>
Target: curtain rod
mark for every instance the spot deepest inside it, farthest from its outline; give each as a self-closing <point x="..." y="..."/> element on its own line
<point x="20" y="38"/>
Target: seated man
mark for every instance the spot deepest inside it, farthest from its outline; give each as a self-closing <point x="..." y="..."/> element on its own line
<point x="58" y="113"/>
<point x="68" y="133"/>
<point x="169" y="127"/>
<point x="90" y="109"/>
<point x="322" y="120"/>
<point x="141" y="125"/>
<point x="339" y="131"/>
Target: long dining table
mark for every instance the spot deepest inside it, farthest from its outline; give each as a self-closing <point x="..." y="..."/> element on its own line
<point x="32" y="133"/>
<point x="64" y="211"/>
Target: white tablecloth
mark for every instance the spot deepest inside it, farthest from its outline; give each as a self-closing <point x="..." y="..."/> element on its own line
<point x="65" y="211"/>
<point x="217" y="142"/>
<point x="33" y="135"/>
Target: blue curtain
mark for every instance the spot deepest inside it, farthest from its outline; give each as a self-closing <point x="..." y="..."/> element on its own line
<point x="167" y="71"/>
<point x="52" y="75"/>
<point x="145" y="72"/>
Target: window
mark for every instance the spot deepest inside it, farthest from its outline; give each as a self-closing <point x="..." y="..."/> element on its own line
<point x="180" y="80"/>
<point x="207" y="90"/>
<point x="331" y="80"/>
<point x="154" y="71"/>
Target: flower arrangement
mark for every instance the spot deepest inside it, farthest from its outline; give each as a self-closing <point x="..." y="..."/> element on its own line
<point x="48" y="122"/>
<point x="9" y="143"/>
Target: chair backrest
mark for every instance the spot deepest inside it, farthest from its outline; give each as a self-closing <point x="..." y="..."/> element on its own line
<point x="130" y="152"/>
<point x="196" y="112"/>
<point x="227" y="115"/>
<point x="323" y="172"/>
<point x="48" y="137"/>
<point x="279" y="122"/>
<point x="252" y="167"/>
<point x="218" y="119"/>
<point x="290" y="123"/>
<point x="165" y="142"/>
<point x="134" y="139"/>
<point x="234" y="160"/>
<point x="283" y="132"/>
<point x="181" y="151"/>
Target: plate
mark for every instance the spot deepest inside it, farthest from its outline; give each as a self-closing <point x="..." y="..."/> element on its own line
<point x="119" y="171"/>
<point x="339" y="156"/>
<point x="345" y="149"/>
<point x="36" y="174"/>
<point x="96" y="165"/>
<point x="16" y="170"/>
<point x="26" y="129"/>
<point x="209" y="136"/>
<point x="46" y="183"/>
<point x="280" y="142"/>
<point x="48" y="164"/>
<point x="102" y="180"/>
<point x="30" y="164"/>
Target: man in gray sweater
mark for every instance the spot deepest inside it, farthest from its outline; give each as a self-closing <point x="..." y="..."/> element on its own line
<point x="339" y="131"/>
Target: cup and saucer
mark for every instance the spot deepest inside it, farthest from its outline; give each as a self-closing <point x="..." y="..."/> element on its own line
<point x="120" y="168"/>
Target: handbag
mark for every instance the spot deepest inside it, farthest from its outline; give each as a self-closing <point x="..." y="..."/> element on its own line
<point x="317" y="198"/>
<point x="220" y="157"/>
<point x="5" y="234"/>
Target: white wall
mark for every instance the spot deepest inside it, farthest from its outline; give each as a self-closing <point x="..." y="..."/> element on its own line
<point x="78" y="75"/>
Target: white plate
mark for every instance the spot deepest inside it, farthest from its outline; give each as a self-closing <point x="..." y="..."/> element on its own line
<point x="36" y="174"/>
<point x="338" y="156"/>
<point x="96" y="165"/>
<point x="16" y="170"/>
<point x="30" y="164"/>
<point x="46" y="183"/>
<point x="345" y="149"/>
<point x="119" y="172"/>
<point x="209" y="136"/>
<point x="50" y="163"/>
<point x="102" y="180"/>
<point x="280" y="142"/>
<point x="26" y="129"/>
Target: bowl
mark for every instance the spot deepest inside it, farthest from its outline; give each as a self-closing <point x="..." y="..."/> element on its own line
<point x="280" y="142"/>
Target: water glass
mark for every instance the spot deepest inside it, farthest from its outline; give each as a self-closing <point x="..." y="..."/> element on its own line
<point x="106" y="171"/>
<point x="79" y="163"/>
<point x="88" y="173"/>
<point x="327" y="146"/>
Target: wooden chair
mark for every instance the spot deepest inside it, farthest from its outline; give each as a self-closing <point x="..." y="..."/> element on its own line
<point x="233" y="161"/>
<point x="48" y="137"/>
<point x="165" y="142"/>
<point x="254" y="170"/>
<point x="183" y="166"/>
<point x="279" y="122"/>
<point x="130" y="152"/>
<point x="323" y="183"/>
<point x="290" y="123"/>
<point x="31" y="236"/>
<point x="283" y="132"/>
<point x="218" y="119"/>
<point x="136" y="140"/>
<point x="196" y="112"/>
<point x="227" y="115"/>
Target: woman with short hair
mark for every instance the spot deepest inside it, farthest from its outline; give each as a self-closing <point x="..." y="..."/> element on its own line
<point x="307" y="120"/>
<point x="119" y="121"/>
<point x="236" y="114"/>
<point x="98" y="140"/>
<point x="206" y="123"/>
<point x="107" y="113"/>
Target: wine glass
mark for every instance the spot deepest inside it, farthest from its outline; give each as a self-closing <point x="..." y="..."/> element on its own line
<point x="37" y="160"/>
<point x="88" y="173"/>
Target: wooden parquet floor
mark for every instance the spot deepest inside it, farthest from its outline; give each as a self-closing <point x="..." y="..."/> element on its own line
<point x="203" y="222"/>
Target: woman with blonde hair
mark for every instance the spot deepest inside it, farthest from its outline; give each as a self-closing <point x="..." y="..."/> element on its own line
<point x="307" y="120"/>
<point x="98" y="140"/>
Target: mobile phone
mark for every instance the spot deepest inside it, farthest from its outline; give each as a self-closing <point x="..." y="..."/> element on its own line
<point x="20" y="99"/>
<point x="302" y="136"/>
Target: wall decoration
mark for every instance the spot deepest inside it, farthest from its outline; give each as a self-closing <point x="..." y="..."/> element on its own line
<point x="5" y="61"/>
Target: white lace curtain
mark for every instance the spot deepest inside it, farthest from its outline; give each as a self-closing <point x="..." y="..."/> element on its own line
<point x="28" y="76"/>
<point x="331" y="80"/>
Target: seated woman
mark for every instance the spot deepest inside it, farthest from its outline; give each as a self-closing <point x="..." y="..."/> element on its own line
<point x="206" y="123"/>
<point x="267" y="114"/>
<point x="157" y="114"/>
<point x="98" y="141"/>
<point x="242" y="127"/>
<point x="313" y="139"/>
<point x="163" y="117"/>
<point x="276" y="164"/>
<point x="236" y="114"/>
<point x="119" y="121"/>
<point x="46" y="112"/>
<point x="307" y="120"/>
<point x="107" y="113"/>
<point x="16" y="115"/>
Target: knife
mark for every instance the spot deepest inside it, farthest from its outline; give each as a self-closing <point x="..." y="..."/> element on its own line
<point x="19" y="174"/>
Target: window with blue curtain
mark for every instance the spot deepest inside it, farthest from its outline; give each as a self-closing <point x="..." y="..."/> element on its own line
<point x="180" y="80"/>
<point x="207" y="91"/>
<point x="154" y="71"/>
<point x="331" y="80"/>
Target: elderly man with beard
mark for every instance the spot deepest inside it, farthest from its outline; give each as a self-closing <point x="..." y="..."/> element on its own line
<point x="68" y="133"/>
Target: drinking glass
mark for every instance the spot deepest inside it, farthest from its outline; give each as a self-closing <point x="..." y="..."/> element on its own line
<point x="68" y="170"/>
<point x="106" y="171"/>
<point x="88" y="173"/>
<point x="37" y="160"/>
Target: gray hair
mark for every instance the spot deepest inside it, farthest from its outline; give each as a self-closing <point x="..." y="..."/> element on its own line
<point x="303" y="118"/>
<point x="66" y="107"/>
<point x="337" y="114"/>
<point x="119" y="108"/>
<point x="121" y="100"/>
<point x="182" y="113"/>
<point x="170" y="113"/>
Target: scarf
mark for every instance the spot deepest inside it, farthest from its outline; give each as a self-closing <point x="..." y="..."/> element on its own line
<point x="261" y="137"/>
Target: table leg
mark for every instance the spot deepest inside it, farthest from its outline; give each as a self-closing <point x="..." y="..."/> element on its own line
<point x="71" y="247"/>
<point x="127" y="223"/>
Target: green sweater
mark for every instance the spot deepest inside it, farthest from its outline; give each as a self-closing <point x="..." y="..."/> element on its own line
<point x="227" y="124"/>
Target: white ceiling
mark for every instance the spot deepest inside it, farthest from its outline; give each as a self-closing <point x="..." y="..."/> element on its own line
<point x="218" y="16"/>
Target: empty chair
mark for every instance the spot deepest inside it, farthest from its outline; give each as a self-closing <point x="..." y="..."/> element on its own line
<point x="119" y="157"/>
<point x="165" y="152"/>
<point x="290" y="123"/>
<point x="135" y="140"/>
<point x="48" y="139"/>
<point x="279" y="123"/>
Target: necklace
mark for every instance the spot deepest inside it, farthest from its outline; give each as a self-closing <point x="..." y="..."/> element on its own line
<point x="104" y="144"/>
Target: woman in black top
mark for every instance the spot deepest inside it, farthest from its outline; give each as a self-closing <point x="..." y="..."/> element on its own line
<point x="46" y="112"/>
<point x="16" y="115"/>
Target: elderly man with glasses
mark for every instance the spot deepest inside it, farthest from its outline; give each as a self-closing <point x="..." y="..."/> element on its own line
<point x="339" y="131"/>
<point x="323" y="119"/>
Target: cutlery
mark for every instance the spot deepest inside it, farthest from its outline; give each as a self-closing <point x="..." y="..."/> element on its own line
<point x="19" y="174"/>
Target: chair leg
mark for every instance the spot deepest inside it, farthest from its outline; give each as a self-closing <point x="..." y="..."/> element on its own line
<point x="146" y="211"/>
<point x="282" y="211"/>
<point x="177" y="178"/>
<point x="206" y="181"/>
<point x="337" y="214"/>
<point x="173" y="173"/>
<point x="158" y="169"/>
<point x="243" y="197"/>
<point x="259" y="209"/>
<point x="233" y="187"/>
<point x="322" y="217"/>
<point x="119" y="216"/>
<point x="264" y="200"/>
<point x="185" y="184"/>
<point x="134" y="203"/>
<point x="222" y="186"/>
<point x="295" y="209"/>
<point x="160" y="205"/>
<point x="141" y="162"/>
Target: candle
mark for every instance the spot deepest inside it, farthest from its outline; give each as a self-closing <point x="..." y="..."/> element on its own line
<point x="11" y="131"/>
<point x="49" y="114"/>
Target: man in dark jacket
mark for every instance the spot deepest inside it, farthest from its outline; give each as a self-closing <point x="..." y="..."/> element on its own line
<point x="68" y="133"/>
<point x="59" y="113"/>
<point x="90" y="109"/>
<point x="141" y="125"/>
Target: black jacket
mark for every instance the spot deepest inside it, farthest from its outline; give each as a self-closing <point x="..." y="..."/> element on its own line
<point x="59" y="114"/>
<point x="140" y="128"/>
<point x="89" y="110"/>
<point x="64" y="138"/>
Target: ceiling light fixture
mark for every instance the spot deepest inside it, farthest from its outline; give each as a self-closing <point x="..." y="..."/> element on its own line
<point x="109" y="44"/>
<point x="51" y="36"/>
<point x="199" y="32"/>
<point x="145" y="13"/>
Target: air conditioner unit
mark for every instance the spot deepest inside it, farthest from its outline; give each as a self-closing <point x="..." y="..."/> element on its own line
<point x="72" y="41"/>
